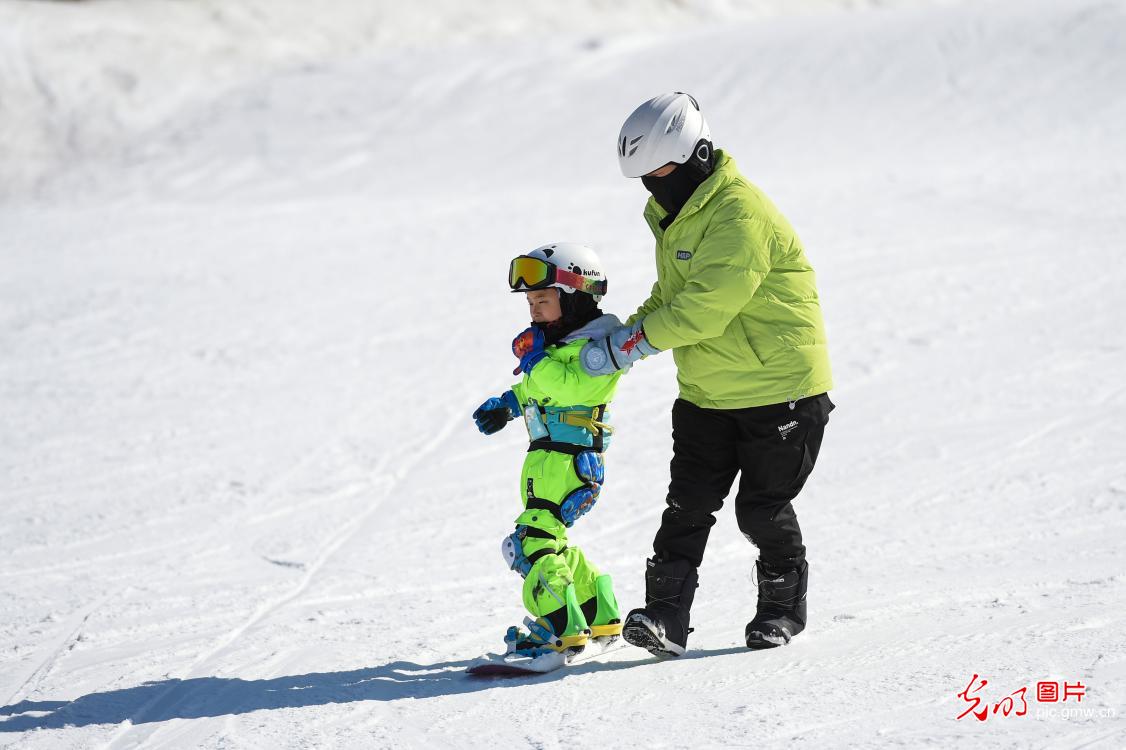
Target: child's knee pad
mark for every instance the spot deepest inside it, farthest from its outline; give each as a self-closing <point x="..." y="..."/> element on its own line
<point x="589" y="467"/>
<point x="513" y="550"/>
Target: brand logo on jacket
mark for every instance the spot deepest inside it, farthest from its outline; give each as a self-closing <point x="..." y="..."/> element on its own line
<point x="786" y="429"/>
<point x="683" y="255"/>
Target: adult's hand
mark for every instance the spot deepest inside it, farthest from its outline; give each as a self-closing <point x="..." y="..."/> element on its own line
<point x="618" y="351"/>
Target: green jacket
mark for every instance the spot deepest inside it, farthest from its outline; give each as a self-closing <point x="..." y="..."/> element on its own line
<point x="735" y="298"/>
<point x="559" y="379"/>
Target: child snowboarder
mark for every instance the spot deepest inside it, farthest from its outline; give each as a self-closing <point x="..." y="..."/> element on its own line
<point x="565" y="413"/>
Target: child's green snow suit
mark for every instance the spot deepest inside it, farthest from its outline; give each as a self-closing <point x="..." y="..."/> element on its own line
<point x="562" y="476"/>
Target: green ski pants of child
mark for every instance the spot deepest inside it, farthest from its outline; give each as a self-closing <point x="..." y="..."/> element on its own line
<point x="556" y="486"/>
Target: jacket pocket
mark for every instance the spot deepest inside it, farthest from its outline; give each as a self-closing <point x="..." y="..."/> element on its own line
<point x="745" y="340"/>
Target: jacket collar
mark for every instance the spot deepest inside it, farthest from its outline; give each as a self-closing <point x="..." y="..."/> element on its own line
<point x="595" y="329"/>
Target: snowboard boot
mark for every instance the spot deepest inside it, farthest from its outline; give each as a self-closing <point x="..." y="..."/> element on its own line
<point x="661" y="626"/>
<point x="781" y="605"/>
<point x="565" y="629"/>
<point x="601" y="611"/>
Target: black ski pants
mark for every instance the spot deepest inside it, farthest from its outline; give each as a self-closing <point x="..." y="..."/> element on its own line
<point x="773" y="447"/>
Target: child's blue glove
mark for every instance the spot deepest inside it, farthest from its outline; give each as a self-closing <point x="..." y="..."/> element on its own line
<point x="624" y="346"/>
<point x="495" y="413"/>
<point x="528" y="346"/>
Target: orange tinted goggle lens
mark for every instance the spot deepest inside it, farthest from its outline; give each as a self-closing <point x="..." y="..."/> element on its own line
<point x="528" y="273"/>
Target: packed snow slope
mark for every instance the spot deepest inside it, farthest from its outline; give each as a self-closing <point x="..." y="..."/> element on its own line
<point x="243" y="504"/>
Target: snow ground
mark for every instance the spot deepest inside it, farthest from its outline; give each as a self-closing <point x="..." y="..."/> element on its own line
<point x="243" y="329"/>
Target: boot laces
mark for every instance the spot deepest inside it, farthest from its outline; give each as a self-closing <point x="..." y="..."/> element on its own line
<point x="766" y="589"/>
<point x="673" y="600"/>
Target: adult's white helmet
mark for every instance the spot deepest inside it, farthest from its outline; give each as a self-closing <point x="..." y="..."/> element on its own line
<point x="572" y="268"/>
<point x="667" y="128"/>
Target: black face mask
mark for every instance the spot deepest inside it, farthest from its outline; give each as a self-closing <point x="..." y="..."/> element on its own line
<point x="673" y="190"/>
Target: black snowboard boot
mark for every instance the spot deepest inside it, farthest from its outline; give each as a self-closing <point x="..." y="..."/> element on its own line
<point x="661" y="626"/>
<point x="781" y="605"/>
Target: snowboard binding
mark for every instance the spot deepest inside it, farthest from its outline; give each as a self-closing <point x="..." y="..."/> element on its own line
<point x="540" y="639"/>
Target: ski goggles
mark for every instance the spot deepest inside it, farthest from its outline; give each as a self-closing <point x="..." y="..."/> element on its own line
<point x="527" y="274"/>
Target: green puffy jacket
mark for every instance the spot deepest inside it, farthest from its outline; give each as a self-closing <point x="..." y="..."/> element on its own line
<point x="735" y="298"/>
<point x="559" y="380"/>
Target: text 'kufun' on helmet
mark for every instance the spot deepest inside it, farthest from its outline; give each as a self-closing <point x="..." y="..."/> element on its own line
<point x="667" y="129"/>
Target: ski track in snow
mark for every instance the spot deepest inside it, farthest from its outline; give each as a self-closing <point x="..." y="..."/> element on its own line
<point x="72" y="630"/>
<point x="244" y="505"/>
<point x="130" y="736"/>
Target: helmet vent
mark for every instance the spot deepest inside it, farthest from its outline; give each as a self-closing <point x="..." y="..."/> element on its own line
<point x="676" y="123"/>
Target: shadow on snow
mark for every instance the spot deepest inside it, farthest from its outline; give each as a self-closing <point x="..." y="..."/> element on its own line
<point x="201" y="697"/>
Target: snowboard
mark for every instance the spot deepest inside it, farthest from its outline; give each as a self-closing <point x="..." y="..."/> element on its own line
<point x="514" y="665"/>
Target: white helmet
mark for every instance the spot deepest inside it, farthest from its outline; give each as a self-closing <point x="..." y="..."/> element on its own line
<point x="667" y="128"/>
<point x="572" y="268"/>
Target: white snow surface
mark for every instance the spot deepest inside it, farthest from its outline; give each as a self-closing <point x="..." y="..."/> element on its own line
<point x="251" y="264"/>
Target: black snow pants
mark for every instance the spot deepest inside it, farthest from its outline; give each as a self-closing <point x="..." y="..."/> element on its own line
<point x="774" y="447"/>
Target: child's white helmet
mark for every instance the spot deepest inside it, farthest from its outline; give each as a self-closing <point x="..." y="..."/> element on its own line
<point x="669" y="128"/>
<point x="570" y="267"/>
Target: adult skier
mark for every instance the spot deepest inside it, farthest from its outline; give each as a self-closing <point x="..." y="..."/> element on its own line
<point x="736" y="302"/>
<point x="565" y="411"/>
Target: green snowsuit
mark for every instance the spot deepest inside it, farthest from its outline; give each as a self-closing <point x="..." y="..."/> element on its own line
<point x="549" y="476"/>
